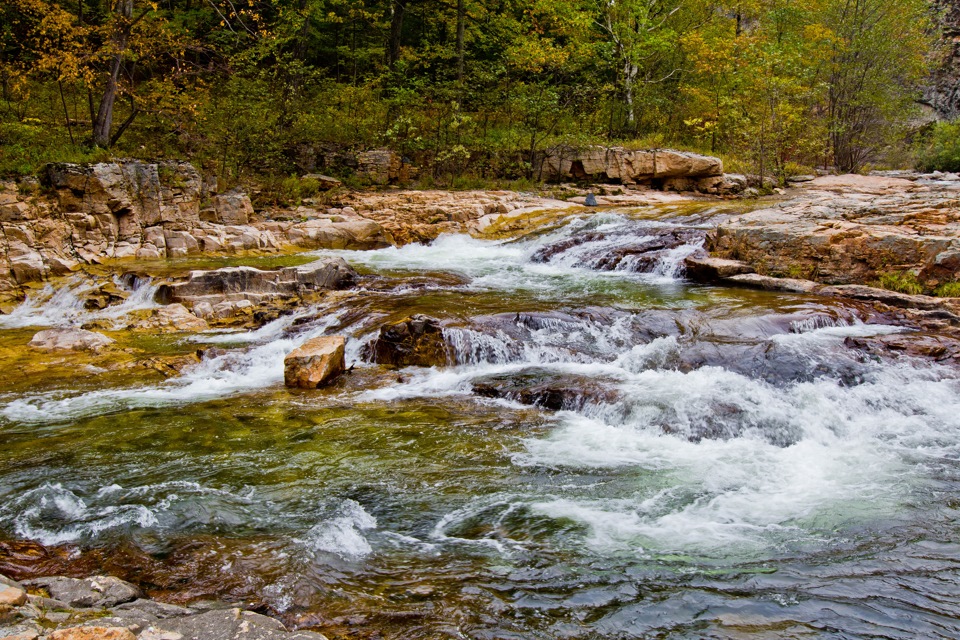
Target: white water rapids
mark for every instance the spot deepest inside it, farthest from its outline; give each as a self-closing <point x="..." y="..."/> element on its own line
<point x="739" y="434"/>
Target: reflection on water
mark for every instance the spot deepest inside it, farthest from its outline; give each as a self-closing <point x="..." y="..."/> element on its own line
<point x="612" y="453"/>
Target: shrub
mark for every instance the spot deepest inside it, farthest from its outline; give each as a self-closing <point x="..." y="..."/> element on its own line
<point x="939" y="150"/>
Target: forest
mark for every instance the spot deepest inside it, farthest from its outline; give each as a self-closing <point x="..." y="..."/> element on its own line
<point x="468" y="90"/>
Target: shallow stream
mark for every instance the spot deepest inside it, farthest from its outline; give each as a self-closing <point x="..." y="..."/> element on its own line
<point x="697" y="461"/>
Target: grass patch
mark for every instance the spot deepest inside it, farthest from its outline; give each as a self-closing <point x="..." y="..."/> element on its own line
<point x="948" y="290"/>
<point x="902" y="282"/>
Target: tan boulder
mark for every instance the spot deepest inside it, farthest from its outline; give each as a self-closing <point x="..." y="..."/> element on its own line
<point x="12" y="596"/>
<point x="69" y="340"/>
<point x="93" y="633"/>
<point x="315" y="363"/>
<point x="171" y="317"/>
<point x="233" y="208"/>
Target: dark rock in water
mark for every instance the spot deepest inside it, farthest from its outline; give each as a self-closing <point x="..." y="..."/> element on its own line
<point x="938" y="348"/>
<point x="417" y="341"/>
<point x="591" y="200"/>
<point x="638" y="250"/>
<point x="547" y="390"/>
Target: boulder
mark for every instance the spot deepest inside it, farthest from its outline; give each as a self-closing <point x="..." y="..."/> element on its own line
<point x="415" y="341"/>
<point x="12" y="596"/>
<point x="327" y="274"/>
<point x="626" y="166"/>
<point x="325" y="182"/>
<point x="169" y="318"/>
<point x="707" y="269"/>
<point x="315" y="363"/>
<point x="380" y="166"/>
<point x="97" y="591"/>
<point x="233" y="208"/>
<point x="232" y="624"/>
<point x="546" y="390"/>
<point x="69" y="340"/>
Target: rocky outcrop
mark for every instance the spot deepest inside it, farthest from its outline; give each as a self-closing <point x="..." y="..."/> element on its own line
<point x="169" y="318"/>
<point x="222" y="292"/>
<point x="107" y="608"/>
<point x="315" y="363"/>
<point x="417" y="341"/>
<point x="852" y="230"/>
<point x="942" y="92"/>
<point x="69" y="340"/>
<point x="660" y="167"/>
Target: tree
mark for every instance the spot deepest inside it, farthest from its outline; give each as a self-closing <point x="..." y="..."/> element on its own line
<point x="880" y="55"/>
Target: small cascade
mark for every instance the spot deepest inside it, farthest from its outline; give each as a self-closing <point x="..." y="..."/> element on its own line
<point x="77" y="302"/>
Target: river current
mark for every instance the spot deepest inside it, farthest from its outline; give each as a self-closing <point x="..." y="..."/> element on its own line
<point x="611" y="452"/>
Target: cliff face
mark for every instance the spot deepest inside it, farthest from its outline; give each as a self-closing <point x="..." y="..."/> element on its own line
<point x="943" y="92"/>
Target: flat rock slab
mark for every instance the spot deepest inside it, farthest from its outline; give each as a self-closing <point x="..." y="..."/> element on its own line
<point x="98" y="591"/>
<point x="69" y="340"/>
<point x="315" y="363"/>
<point x="229" y="624"/>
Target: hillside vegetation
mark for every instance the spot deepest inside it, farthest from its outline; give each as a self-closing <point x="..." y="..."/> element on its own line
<point x="463" y="88"/>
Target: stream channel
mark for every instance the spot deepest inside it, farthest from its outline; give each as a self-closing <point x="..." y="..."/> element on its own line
<point x="609" y="453"/>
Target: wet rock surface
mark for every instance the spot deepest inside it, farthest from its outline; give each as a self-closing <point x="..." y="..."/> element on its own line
<point x="416" y="341"/>
<point x="107" y="608"/>
<point x="546" y="390"/>
<point x="232" y="291"/>
<point x="315" y="363"/>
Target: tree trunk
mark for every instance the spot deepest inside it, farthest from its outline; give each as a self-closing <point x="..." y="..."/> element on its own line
<point x="397" y="9"/>
<point x="630" y="72"/>
<point x="461" y="19"/>
<point x="104" y="120"/>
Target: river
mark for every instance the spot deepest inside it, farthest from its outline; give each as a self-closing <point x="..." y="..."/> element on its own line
<point x="609" y="453"/>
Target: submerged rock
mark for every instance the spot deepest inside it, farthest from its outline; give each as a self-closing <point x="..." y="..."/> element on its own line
<point x="70" y="340"/>
<point x="416" y="341"/>
<point x="546" y="390"/>
<point x="315" y="363"/>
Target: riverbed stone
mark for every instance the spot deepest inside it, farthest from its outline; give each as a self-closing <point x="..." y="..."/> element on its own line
<point x="315" y="363"/>
<point x="96" y="591"/>
<point x="93" y="633"/>
<point x="414" y="341"/>
<point x="69" y="340"/>
<point x="230" y="624"/>
<point x="709" y="269"/>
<point x="12" y="596"/>
<point x="168" y="318"/>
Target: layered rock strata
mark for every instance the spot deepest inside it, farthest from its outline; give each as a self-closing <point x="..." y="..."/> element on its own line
<point x="678" y="170"/>
<point x="853" y="230"/>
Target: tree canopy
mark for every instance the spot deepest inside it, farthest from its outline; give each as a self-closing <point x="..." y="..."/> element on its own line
<point x="460" y="86"/>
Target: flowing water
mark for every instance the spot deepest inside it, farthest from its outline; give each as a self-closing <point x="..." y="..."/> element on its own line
<point x="610" y="452"/>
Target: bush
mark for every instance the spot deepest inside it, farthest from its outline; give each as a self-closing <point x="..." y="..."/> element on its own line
<point x="939" y="150"/>
<point x="901" y="281"/>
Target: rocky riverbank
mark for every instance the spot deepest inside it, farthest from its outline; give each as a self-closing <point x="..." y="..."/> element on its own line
<point x="107" y="608"/>
<point x="77" y="215"/>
